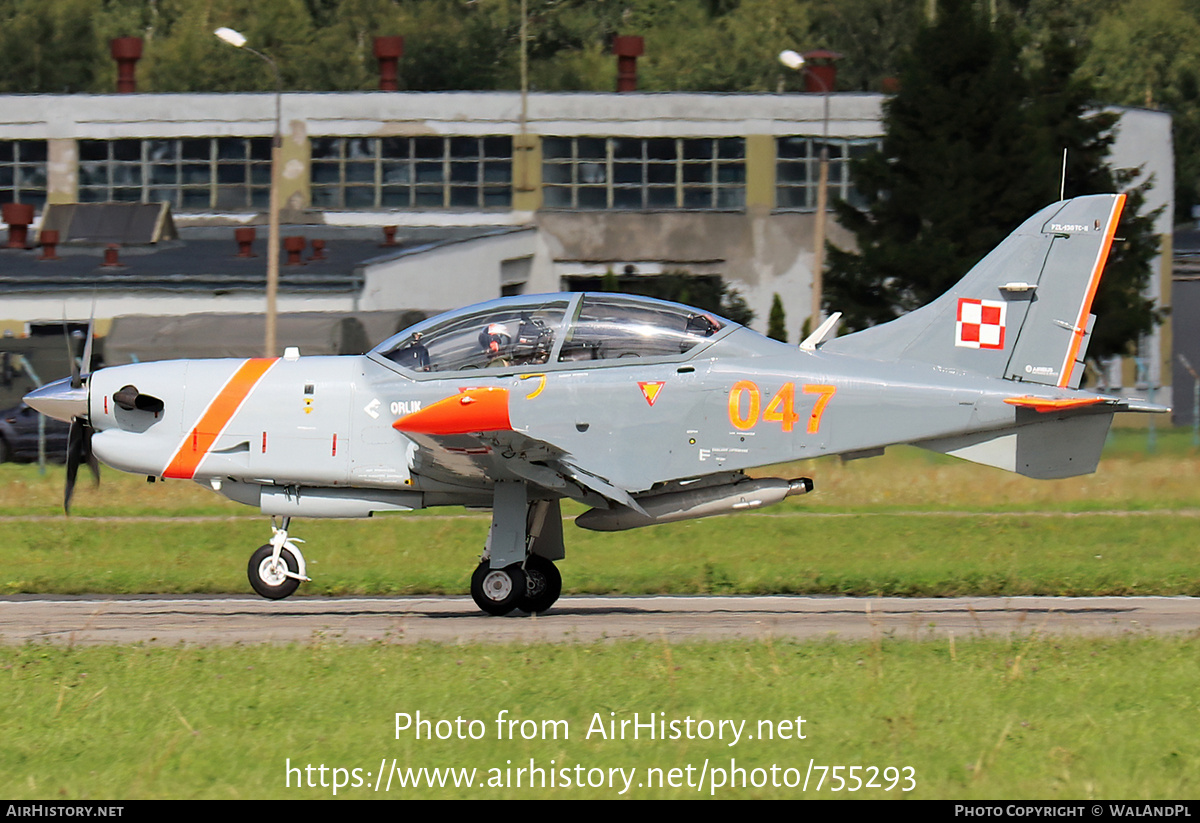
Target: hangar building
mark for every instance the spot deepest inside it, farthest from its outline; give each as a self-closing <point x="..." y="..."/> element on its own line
<point x="483" y="194"/>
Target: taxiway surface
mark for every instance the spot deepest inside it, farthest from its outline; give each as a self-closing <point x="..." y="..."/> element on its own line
<point x="223" y="619"/>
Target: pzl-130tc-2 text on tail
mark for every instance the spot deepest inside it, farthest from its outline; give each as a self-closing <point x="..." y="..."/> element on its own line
<point x="645" y="411"/>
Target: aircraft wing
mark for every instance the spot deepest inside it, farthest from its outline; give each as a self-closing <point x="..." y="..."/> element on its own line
<point x="468" y="439"/>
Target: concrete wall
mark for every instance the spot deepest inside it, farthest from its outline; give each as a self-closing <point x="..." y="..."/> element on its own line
<point x="65" y="119"/>
<point x="17" y="310"/>
<point x="1144" y="143"/>
<point x="457" y="274"/>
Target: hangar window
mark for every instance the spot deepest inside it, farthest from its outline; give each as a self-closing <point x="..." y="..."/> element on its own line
<point x="192" y="174"/>
<point x="642" y="174"/>
<point x="798" y="170"/>
<point x="412" y="172"/>
<point x="23" y="172"/>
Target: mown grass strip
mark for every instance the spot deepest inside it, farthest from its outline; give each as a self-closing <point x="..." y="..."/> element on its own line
<point x="904" y="479"/>
<point x="910" y="555"/>
<point x="1022" y="719"/>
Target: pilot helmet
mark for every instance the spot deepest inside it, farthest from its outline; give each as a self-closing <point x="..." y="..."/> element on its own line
<point x="495" y="337"/>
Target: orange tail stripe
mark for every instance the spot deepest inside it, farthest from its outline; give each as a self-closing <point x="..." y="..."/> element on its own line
<point x="1064" y="374"/>
<point x="1046" y="404"/>
<point x="216" y="417"/>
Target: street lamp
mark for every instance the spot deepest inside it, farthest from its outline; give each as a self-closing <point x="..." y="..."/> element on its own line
<point x="238" y="41"/>
<point x="796" y="62"/>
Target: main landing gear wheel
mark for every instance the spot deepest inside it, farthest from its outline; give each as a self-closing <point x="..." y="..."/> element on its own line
<point x="497" y="591"/>
<point x="267" y="575"/>
<point x="543" y="585"/>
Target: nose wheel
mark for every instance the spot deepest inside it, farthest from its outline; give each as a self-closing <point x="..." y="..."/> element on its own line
<point x="269" y="575"/>
<point x="276" y="569"/>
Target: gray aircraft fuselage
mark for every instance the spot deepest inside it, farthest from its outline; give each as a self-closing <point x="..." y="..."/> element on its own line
<point x="646" y="411"/>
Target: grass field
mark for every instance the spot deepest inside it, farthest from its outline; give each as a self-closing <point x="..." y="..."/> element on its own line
<point x="1035" y="718"/>
<point x="894" y="525"/>
<point x="905" y="479"/>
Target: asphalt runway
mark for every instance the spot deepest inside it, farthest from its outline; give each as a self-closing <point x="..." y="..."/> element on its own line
<point x="89" y="620"/>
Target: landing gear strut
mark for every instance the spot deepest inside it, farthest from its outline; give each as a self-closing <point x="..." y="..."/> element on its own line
<point x="516" y="570"/>
<point x="276" y="569"/>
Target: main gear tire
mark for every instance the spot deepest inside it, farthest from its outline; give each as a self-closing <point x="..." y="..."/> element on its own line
<point x="543" y="585"/>
<point x="497" y="591"/>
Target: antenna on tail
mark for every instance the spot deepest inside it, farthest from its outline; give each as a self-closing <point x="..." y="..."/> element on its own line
<point x="1062" y="186"/>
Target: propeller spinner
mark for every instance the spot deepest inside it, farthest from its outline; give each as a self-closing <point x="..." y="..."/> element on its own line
<point x="67" y="400"/>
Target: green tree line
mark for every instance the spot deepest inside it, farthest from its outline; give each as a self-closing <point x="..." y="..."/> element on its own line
<point x="1132" y="52"/>
<point x="974" y="144"/>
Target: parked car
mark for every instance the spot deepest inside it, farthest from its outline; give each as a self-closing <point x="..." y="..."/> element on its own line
<point x="19" y="435"/>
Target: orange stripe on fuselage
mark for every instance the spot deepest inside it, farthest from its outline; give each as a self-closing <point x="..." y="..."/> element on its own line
<point x="216" y="417"/>
<point x="1068" y="367"/>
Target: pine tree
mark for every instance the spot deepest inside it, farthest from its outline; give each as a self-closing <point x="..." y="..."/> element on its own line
<point x="947" y="185"/>
<point x="776" y="321"/>
<point x="972" y="147"/>
<point x="1061" y="109"/>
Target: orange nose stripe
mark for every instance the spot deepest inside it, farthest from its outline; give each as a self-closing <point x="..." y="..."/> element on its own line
<point x="216" y="417"/>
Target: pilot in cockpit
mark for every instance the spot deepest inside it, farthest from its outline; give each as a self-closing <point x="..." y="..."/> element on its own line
<point x="496" y="342"/>
<point x="531" y="345"/>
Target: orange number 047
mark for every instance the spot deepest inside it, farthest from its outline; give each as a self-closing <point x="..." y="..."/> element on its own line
<point x="780" y="409"/>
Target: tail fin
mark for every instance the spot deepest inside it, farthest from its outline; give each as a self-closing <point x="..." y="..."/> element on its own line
<point x="1023" y="312"/>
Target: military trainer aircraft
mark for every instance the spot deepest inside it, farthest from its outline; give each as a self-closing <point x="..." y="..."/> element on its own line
<point x="645" y="411"/>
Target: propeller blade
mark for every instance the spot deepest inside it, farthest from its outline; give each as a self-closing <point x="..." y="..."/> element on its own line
<point x="87" y="346"/>
<point x="79" y="450"/>
<point x="88" y="455"/>
<point x="76" y="379"/>
<point x="74" y="455"/>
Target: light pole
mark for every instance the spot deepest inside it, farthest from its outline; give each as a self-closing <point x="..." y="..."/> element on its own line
<point x="238" y="40"/>
<point x="795" y="61"/>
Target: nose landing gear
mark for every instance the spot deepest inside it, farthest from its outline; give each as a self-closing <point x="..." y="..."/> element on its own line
<point x="277" y="569"/>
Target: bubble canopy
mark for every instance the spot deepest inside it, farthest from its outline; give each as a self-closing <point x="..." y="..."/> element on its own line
<point x="546" y="329"/>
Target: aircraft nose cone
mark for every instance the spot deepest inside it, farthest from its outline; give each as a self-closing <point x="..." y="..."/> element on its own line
<point x="60" y="400"/>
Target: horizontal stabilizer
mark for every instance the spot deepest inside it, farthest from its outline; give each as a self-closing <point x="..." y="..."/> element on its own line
<point x="1045" y="449"/>
<point x="1049" y="404"/>
<point x="1082" y="401"/>
<point x="1134" y="404"/>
